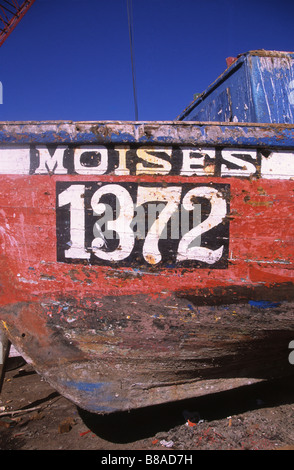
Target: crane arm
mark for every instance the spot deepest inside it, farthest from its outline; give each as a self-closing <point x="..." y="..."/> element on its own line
<point x="11" y="12"/>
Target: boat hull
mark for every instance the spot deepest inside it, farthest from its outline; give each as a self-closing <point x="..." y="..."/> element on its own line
<point x="138" y="319"/>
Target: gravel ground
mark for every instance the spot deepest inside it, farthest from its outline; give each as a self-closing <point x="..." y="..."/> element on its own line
<point x="33" y="416"/>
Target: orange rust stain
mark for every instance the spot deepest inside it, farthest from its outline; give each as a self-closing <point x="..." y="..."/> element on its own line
<point x="258" y="203"/>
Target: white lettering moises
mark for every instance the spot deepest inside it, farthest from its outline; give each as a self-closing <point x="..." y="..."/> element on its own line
<point x="122" y="160"/>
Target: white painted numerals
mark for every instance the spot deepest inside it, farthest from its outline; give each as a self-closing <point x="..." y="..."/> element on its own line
<point x="217" y="215"/>
<point x="172" y="199"/>
<point x="74" y="195"/>
<point x="121" y="225"/>
<point x="171" y="195"/>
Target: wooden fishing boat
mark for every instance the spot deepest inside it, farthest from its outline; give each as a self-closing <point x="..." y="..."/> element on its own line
<point x="147" y="262"/>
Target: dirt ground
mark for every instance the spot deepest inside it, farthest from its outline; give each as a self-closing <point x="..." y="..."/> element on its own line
<point x="33" y="416"/>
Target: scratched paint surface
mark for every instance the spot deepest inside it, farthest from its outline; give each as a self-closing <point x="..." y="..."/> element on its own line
<point x="257" y="87"/>
<point x="117" y="312"/>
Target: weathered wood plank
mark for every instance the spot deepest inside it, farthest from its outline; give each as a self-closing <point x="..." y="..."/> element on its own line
<point x="115" y="317"/>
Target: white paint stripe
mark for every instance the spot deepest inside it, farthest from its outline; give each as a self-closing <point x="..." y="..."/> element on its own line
<point x="279" y="165"/>
<point x="15" y="160"/>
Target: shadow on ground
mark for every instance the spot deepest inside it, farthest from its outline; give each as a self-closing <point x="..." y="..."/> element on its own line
<point x="124" y="427"/>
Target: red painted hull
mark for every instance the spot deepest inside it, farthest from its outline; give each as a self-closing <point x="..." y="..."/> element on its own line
<point x="125" y="319"/>
<point x="260" y="251"/>
<point x="113" y="336"/>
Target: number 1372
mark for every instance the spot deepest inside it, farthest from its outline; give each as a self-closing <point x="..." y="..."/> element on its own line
<point x="79" y="224"/>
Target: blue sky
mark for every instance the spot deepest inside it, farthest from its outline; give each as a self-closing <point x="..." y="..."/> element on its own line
<point x="70" y="59"/>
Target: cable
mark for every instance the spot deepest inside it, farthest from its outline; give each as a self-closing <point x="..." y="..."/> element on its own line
<point x="130" y="24"/>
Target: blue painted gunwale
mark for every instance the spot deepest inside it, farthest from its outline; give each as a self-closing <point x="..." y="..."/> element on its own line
<point x="280" y="136"/>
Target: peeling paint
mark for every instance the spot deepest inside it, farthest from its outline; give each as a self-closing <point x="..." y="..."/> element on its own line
<point x="261" y="79"/>
<point x="123" y="322"/>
